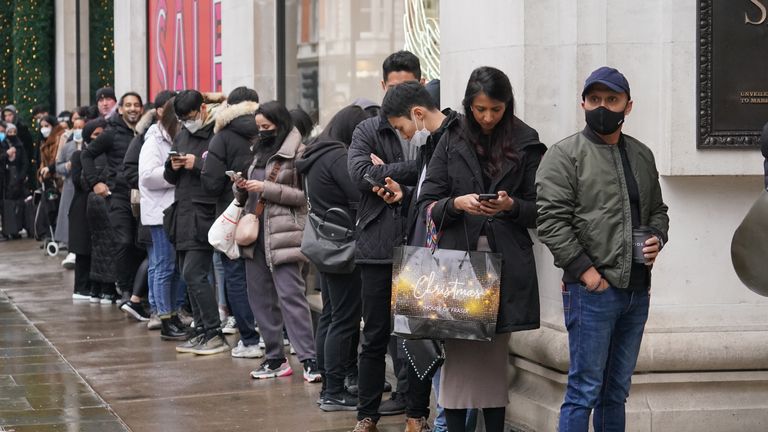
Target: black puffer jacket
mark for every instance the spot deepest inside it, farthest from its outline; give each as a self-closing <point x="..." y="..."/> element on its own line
<point x="324" y="168"/>
<point x="230" y="149"/>
<point x="113" y="142"/>
<point x="195" y="209"/>
<point x="13" y="173"/>
<point x="455" y="171"/>
<point x="380" y="227"/>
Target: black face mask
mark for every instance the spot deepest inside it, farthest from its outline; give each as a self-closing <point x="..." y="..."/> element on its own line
<point x="604" y="121"/>
<point x="267" y="137"/>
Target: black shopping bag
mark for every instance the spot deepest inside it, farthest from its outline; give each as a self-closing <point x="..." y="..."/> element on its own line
<point x="445" y="294"/>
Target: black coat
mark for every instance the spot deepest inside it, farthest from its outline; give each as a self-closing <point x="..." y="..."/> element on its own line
<point x="454" y="171"/>
<point x="195" y="209"/>
<point x="13" y="174"/>
<point x="229" y="150"/>
<point x="113" y="142"/>
<point x="79" y="227"/>
<point x="131" y="159"/>
<point x="380" y="227"/>
<point x="324" y="167"/>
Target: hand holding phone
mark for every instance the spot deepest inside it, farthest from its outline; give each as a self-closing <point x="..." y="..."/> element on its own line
<point x="487" y="197"/>
<point x="234" y="176"/>
<point x="377" y="183"/>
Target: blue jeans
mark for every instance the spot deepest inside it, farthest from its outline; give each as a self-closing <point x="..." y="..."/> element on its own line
<point x="440" y="424"/>
<point x="162" y="270"/>
<point x="604" y="335"/>
<point x="237" y="299"/>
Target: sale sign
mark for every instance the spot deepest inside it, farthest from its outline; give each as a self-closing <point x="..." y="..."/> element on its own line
<point x="184" y="45"/>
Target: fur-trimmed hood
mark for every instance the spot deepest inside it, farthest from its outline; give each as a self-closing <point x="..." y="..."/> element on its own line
<point x="210" y="97"/>
<point x="146" y="120"/>
<point x="231" y="112"/>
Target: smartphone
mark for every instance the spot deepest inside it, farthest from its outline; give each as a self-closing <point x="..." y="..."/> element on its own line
<point x="173" y="154"/>
<point x="380" y="184"/>
<point x="487" y="197"/>
<point x="235" y="176"/>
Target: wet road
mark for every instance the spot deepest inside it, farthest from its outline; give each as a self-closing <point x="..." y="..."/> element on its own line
<point x="74" y="366"/>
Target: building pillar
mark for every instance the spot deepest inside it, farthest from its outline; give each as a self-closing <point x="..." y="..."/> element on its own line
<point x="248" y="46"/>
<point x="131" y="48"/>
<point x="66" y="55"/>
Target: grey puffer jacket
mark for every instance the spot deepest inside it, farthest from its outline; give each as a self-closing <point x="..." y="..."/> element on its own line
<point x="285" y="211"/>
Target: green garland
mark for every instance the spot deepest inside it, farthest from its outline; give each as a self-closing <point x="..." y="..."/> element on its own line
<point x="6" y="52"/>
<point x="102" y="44"/>
<point x="33" y="51"/>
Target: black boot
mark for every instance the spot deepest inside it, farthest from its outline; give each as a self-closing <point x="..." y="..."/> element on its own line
<point x="170" y="331"/>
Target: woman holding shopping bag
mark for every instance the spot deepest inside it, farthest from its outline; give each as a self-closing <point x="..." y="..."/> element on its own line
<point x="479" y="190"/>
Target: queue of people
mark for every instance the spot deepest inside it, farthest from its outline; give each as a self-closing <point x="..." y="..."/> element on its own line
<point x="143" y="189"/>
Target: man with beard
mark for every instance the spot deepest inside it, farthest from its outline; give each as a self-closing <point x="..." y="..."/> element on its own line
<point x="112" y="185"/>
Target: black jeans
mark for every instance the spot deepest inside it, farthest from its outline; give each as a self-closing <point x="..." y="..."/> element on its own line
<point x="237" y="299"/>
<point x="82" y="274"/>
<point x="417" y="396"/>
<point x="376" y="298"/>
<point x="195" y="265"/>
<point x="338" y="331"/>
<point x="127" y="255"/>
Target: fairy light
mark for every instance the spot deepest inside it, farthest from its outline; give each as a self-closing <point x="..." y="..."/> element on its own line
<point x="102" y="43"/>
<point x="32" y="55"/>
<point x="6" y="52"/>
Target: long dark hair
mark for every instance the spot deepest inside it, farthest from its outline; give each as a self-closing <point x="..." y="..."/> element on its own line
<point x="343" y="124"/>
<point x="278" y="114"/>
<point x="494" y="84"/>
<point x="168" y="120"/>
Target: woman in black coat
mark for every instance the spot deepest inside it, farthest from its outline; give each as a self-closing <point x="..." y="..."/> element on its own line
<point x="493" y="152"/>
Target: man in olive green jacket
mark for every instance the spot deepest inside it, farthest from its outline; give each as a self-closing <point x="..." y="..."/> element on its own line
<point x="595" y="190"/>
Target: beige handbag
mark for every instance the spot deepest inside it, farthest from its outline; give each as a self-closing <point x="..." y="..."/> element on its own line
<point x="247" y="231"/>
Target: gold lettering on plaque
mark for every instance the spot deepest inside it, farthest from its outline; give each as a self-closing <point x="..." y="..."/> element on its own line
<point x="753" y="97"/>
<point x="763" y="13"/>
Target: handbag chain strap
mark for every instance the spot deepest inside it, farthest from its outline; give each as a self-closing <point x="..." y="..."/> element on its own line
<point x="272" y="177"/>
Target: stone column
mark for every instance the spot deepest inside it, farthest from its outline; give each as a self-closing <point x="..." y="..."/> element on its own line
<point x="248" y="45"/>
<point x="66" y="55"/>
<point x="131" y="48"/>
<point x="703" y="363"/>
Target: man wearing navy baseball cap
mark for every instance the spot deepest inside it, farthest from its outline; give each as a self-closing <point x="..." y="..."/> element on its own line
<point x="602" y="216"/>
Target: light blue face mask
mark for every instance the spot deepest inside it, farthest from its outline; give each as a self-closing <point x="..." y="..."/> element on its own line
<point x="2" y="136"/>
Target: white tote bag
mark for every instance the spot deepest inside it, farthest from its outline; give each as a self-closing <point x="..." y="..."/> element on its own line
<point x="222" y="233"/>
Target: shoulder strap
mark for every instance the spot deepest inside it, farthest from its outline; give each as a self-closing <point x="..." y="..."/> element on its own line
<point x="272" y="176"/>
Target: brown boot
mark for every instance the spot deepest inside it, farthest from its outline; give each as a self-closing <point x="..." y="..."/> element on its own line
<point x="365" y="425"/>
<point x="417" y="425"/>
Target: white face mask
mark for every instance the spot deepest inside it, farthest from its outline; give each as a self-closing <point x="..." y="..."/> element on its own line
<point x="193" y="125"/>
<point x="77" y="134"/>
<point x="45" y="131"/>
<point x="421" y="136"/>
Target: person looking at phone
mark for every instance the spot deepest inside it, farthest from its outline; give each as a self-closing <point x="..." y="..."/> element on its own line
<point x="490" y="152"/>
<point x="192" y="215"/>
<point x="378" y="152"/>
<point x="236" y="132"/>
<point x="273" y="262"/>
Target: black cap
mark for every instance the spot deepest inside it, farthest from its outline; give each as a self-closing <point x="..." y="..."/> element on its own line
<point x="105" y="92"/>
<point x="608" y="76"/>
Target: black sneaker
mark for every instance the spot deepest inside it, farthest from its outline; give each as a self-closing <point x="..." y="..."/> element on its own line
<point x="339" y="402"/>
<point x="136" y="310"/>
<point x="393" y="406"/>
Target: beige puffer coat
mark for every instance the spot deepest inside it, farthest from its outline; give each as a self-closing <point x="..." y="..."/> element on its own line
<point x="285" y="212"/>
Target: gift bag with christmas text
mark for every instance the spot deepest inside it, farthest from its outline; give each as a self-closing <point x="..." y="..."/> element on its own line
<point x="445" y="294"/>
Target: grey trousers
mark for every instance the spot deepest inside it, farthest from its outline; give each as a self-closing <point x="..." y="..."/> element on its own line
<point x="277" y="298"/>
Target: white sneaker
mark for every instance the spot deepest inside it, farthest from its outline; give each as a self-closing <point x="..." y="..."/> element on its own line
<point x="251" y="351"/>
<point x="69" y="262"/>
<point x="230" y="326"/>
<point x="76" y="296"/>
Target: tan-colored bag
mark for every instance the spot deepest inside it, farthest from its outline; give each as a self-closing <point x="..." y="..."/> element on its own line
<point x="247" y="231"/>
